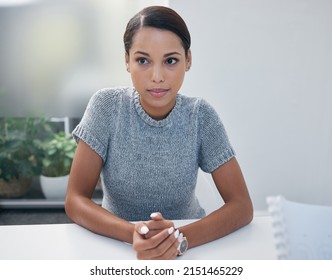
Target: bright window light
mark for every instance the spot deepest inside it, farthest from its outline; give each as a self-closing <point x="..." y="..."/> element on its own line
<point x="15" y="2"/>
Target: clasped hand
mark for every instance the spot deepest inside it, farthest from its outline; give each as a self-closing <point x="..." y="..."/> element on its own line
<point x="156" y="239"/>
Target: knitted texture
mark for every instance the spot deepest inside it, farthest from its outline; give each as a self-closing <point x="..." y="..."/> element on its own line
<point x="151" y="165"/>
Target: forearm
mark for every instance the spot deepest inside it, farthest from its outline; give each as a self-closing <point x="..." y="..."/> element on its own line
<point x="230" y="217"/>
<point x="92" y="216"/>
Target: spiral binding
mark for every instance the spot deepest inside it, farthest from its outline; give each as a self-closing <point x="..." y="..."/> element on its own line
<point x="275" y="208"/>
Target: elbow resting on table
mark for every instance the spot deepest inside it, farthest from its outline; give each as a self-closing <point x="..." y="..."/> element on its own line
<point x="68" y="208"/>
<point x="71" y="209"/>
<point x="246" y="211"/>
<point x="249" y="212"/>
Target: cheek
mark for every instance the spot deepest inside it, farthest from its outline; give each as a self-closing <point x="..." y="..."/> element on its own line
<point x="177" y="77"/>
<point x="137" y="77"/>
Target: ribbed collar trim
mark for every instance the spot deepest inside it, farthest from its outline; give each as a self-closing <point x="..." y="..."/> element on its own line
<point x="150" y="121"/>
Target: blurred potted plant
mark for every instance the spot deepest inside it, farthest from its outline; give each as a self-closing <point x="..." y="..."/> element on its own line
<point x="58" y="156"/>
<point x="21" y="153"/>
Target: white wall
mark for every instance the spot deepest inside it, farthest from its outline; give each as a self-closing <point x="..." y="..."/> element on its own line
<point x="266" y="66"/>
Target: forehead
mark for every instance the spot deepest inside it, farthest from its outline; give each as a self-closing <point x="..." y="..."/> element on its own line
<point x="154" y="39"/>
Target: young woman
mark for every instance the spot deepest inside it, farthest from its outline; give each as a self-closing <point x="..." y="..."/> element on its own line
<point x="147" y="144"/>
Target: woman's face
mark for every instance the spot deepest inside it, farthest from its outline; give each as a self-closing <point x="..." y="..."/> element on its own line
<point x="157" y="64"/>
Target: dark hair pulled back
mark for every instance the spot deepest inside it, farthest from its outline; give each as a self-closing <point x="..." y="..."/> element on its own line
<point x="158" y="17"/>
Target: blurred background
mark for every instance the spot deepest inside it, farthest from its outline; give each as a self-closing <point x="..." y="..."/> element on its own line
<point x="55" y="53"/>
<point x="265" y="65"/>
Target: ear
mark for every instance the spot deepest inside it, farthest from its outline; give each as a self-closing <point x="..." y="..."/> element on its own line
<point x="189" y="60"/>
<point x="127" y="61"/>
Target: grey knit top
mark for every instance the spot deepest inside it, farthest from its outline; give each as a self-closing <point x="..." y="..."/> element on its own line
<point x="151" y="165"/>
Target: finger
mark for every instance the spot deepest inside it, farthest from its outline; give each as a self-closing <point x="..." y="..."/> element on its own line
<point x="159" y="225"/>
<point x="156" y="227"/>
<point x="156" y="216"/>
<point x="139" y="236"/>
<point x="144" y="230"/>
<point x="171" y="253"/>
<point x="156" y="240"/>
<point x="167" y="249"/>
<point x="153" y="233"/>
<point x="141" y="228"/>
<point x="167" y="253"/>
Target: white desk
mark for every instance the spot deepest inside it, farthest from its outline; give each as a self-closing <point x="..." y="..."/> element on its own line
<point x="72" y="242"/>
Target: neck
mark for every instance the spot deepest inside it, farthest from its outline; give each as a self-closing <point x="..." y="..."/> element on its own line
<point x="158" y="113"/>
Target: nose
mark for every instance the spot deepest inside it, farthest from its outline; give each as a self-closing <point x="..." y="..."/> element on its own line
<point x="157" y="74"/>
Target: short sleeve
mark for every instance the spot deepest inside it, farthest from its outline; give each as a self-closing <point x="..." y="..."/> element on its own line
<point x="95" y="126"/>
<point x="215" y="148"/>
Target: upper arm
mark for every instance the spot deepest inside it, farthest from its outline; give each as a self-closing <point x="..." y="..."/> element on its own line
<point x="85" y="171"/>
<point x="230" y="182"/>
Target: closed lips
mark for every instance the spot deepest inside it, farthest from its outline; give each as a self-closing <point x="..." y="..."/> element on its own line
<point x="158" y="92"/>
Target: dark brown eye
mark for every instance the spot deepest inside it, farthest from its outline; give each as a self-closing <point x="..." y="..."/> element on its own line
<point x="171" y="61"/>
<point x="142" y="60"/>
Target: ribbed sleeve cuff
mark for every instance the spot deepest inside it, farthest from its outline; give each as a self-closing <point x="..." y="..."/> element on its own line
<point x="80" y="133"/>
<point x="219" y="160"/>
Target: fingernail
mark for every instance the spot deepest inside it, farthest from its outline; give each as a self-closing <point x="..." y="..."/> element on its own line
<point x="180" y="238"/>
<point x="153" y="215"/>
<point x="170" y="230"/>
<point x="176" y="233"/>
<point x="144" y="230"/>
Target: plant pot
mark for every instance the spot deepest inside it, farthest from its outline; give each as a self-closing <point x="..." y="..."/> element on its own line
<point x="15" y="188"/>
<point x="54" y="187"/>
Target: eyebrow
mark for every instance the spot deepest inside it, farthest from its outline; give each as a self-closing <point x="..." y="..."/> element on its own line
<point x="165" y="55"/>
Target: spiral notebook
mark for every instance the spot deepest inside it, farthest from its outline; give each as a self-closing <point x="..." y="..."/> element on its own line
<point x="301" y="231"/>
